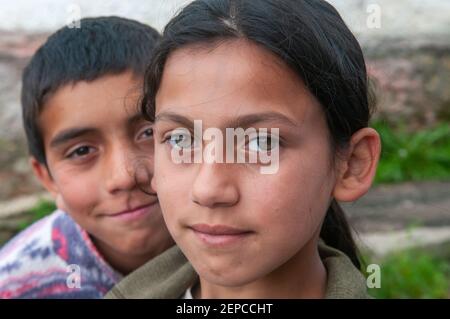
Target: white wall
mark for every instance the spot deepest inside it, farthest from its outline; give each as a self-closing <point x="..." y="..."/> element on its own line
<point x="405" y="18"/>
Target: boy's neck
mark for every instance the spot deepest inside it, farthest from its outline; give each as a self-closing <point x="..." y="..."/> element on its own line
<point x="124" y="264"/>
<point x="303" y="276"/>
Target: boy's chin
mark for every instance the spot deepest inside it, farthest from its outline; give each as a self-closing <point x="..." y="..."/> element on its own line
<point x="145" y="243"/>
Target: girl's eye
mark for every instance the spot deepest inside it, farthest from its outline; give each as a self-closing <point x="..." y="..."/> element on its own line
<point x="181" y="139"/>
<point x="263" y="143"/>
<point x="146" y="134"/>
<point x="81" y="152"/>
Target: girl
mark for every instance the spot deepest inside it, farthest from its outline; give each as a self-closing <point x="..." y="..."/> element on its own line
<point x="285" y="64"/>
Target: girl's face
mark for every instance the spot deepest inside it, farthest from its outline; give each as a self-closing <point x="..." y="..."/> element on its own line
<point x="233" y="223"/>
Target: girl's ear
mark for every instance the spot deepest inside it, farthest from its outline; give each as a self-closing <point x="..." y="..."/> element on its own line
<point x="43" y="175"/>
<point x="357" y="171"/>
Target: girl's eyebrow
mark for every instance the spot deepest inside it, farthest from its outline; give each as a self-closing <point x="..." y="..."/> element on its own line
<point x="256" y="118"/>
<point x="242" y="121"/>
<point x="174" y="117"/>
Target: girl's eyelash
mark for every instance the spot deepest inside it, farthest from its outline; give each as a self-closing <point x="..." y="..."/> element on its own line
<point x="280" y="139"/>
<point x="168" y="136"/>
<point x="165" y="138"/>
<point x="275" y="140"/>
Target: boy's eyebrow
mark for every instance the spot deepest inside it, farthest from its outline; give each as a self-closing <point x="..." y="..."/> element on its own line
<point x="69" y="134"/>
<point x="136" y="118"/>
<point x="241" y="121"/>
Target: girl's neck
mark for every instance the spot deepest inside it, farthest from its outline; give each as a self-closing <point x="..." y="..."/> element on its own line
<point x="303" y="276"/>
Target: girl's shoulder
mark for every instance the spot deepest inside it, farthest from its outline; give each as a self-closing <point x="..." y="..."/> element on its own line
<point x="344" y="280"/>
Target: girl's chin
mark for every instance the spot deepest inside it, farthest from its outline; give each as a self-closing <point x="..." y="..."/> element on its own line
<point x="225" y="278"/>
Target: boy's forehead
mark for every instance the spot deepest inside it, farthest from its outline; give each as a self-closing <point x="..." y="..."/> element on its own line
<point x="110" y="102"/>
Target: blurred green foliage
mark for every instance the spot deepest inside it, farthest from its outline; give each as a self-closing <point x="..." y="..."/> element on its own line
<point x="413" y="273"/>
<point x="413" y="156"/>
<point x="42" y="209"/>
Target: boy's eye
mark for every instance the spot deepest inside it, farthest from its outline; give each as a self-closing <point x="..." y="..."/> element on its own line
<point x="146" y="134"/>
<point x="263" y="143"/>
<point x="80" y="151"/>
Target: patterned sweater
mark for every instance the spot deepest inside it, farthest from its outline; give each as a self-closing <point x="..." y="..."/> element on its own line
<point x="54" y="258"/>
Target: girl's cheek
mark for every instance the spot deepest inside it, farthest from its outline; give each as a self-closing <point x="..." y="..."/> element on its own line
<point x="173" y="189"/>
<point x="292" y="193"/>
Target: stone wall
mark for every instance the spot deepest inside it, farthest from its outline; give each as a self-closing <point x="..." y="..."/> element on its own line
<point x="408" y="57"/>
<point x="413" y="83"/>
<point x="15" y="176"/>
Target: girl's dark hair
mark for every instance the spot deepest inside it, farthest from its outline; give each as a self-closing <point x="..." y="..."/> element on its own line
<point x="312" y="39"/>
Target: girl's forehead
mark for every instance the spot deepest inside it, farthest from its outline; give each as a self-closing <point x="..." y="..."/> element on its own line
<point x="232" y="77"/>
<point x="239" y="59"/>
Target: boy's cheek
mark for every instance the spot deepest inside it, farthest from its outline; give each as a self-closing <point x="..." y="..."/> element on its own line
<point x="77" y="194"/>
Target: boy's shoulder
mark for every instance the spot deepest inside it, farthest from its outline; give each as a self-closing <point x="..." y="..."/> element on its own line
<point x="167" y="276"/>
<point x="25" y="243"/>
<point x="49" y="259"/>
<point x="28" y="255"/>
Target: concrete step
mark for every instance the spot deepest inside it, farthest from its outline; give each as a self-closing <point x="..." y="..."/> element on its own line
<point x="21" y="204"/>
<point x="382" y="243"/>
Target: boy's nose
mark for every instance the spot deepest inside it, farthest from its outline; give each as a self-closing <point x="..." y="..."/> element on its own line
<point x="214" y="186"/>
<point x="122" y="172"/>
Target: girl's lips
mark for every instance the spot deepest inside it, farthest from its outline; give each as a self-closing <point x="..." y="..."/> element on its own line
<point x="219" y="235"/>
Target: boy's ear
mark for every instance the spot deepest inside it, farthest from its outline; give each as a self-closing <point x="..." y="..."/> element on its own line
<point x="357" y="171"/>
<point x="43" y="175"/>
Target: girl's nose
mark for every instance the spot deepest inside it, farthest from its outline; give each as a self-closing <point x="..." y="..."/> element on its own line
<point x="215" y="186"/>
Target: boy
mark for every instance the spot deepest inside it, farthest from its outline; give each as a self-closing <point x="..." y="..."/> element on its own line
<point x="92" y="150"/>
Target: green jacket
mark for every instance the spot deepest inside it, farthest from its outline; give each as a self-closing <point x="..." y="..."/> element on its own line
<point x="168" y="275"/>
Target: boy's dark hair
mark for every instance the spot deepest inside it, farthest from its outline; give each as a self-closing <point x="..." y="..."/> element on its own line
<point x="101" y="46"/>
<point x="312" y="39"/>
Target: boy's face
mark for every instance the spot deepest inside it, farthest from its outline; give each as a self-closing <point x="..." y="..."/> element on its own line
<point x="99" y="153"/>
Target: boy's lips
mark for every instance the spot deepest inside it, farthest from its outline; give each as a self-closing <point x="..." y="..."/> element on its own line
<point x="219" y="236"/>
<point x="134" y="213"/>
